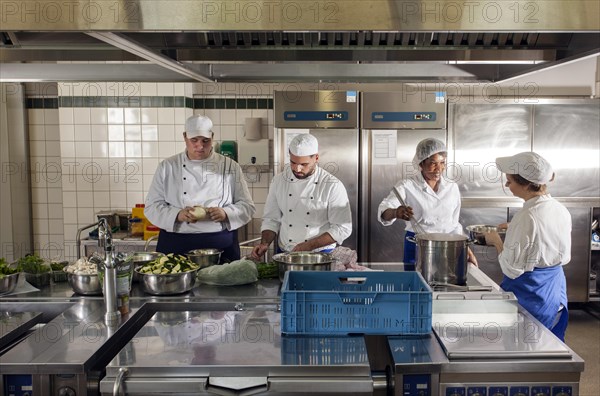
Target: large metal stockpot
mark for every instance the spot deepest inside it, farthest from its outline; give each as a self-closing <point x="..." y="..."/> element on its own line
<point x="442" y="258"/>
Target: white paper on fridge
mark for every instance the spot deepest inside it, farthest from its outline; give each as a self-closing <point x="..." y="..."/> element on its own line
<point x="384" y="147"/>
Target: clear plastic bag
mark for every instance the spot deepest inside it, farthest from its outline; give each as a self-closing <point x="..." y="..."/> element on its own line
<point x="238" y="272"/>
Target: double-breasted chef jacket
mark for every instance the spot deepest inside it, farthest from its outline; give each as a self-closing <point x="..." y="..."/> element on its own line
<point x="302" y="209"/>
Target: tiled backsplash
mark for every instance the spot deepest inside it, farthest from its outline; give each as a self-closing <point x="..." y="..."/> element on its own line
<point x="95" y="153"/>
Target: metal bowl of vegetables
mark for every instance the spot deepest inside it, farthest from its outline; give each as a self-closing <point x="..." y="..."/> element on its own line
<point x="8" y="282"/>
<point x="9" y="277"/>
<point x="168" y="275"/>
<point x="85" y="284"/>
<point x="83" y="278"/>
<point x="139" y="259"/>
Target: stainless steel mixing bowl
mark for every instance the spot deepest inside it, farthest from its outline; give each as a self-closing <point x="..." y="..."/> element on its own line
<point x="8" y="284"/>
<point x="139" y="259"/>
<point x="477" y="232"/>
<point x="87" y="285"/>
<point x="302" y="261"/>
<point x="205" y="257"/>
<point x="168" y="284"/>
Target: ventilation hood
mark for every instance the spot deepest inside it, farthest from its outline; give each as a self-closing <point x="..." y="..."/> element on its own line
<point x="287" y="41"/>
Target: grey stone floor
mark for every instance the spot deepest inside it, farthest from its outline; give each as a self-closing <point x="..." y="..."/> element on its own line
<point x="583" y="336"/>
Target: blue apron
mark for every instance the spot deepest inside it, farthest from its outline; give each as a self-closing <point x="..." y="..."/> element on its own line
<point x="541" y="292"/>
<point x="179" y="243"/>
<point x="410" y="252"/>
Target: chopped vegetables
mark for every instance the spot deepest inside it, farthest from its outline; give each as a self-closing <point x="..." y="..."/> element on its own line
<point x="267" y="270"/>
<point x="82" y="267"/>
<point x="169" y="264"/>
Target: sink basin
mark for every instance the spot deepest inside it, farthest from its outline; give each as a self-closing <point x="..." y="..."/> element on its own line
<point x="48" y="309"/>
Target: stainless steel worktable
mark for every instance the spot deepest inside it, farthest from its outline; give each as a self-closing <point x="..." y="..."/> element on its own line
<point x="184" y="341"/>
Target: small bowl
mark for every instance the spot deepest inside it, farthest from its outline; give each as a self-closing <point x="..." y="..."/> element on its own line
<point x="477" y="233"/>
<point x="168" y="284"/>
<point x="86" y="285"/>
<point x="302" y="261"/>
<point x="205" y="257"/>
<point x="8" y="284"/>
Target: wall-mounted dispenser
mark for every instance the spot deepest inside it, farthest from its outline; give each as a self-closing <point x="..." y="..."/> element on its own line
<point x="253" y="128"/>
<point x="254" y="150"/>
<point x="228" y="148"/>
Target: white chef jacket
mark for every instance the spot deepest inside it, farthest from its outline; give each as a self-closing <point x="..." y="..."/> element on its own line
<point x="435" y="212"/>
<point x="214" y="182"/>
<point x="301" y="209"/>
<point x="539" y="235"/>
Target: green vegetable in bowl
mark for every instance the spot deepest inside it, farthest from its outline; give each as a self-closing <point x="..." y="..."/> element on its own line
<point x="169" y="264"/>
<point x="267" y="270"/>
<point x="58" y="266"/>
<point x="33" y="264"/>
<point x="5" y="269"/>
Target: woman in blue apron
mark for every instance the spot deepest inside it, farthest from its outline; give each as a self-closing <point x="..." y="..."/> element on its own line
<point x="537" y="242"/>
<point x="431" y="199"/>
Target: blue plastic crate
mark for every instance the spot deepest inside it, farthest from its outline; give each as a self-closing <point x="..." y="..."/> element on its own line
<point x="336" y="303"/>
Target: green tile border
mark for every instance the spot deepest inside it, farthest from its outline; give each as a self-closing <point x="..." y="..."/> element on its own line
<point x="149" y="101"/>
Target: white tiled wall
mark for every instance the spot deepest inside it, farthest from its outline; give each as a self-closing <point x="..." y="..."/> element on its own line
<point x="46" y="181"/>
<point x="85" y="160"/>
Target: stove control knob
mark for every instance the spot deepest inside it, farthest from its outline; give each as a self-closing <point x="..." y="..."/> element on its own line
<point x="66" y="391"/>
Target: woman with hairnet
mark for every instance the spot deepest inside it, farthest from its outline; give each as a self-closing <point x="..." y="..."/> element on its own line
<point x="432" y="200"/>
<point x="537" y="242"/>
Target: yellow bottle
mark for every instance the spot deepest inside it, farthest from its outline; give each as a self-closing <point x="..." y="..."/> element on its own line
<point x="138" y="221"/>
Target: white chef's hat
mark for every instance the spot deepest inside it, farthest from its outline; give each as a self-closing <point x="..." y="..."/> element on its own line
<point x="198" y="125"/>
<point x="529" y="165"/>
<point x="304" y="145"/>
<point x="426" y="148"/>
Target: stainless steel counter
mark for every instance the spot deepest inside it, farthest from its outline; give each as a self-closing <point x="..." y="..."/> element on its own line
<point x="201" y="352"/>
<point x="201" y="340"/>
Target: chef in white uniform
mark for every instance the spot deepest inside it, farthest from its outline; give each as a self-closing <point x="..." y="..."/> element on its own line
<point x="433" y="200"/>
<point x="199" y="177"/>
<point x="306" y="206"/>
<point x="537" y="243"/>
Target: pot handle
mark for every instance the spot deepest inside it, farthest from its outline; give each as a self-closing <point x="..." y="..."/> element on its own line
<point x="411" y="239"/>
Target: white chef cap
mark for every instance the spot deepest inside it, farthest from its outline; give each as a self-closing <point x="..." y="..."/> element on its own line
<point x="304" y="145"/>
<point x="198" y="125"/>
<point x="426" y="148"/>
<point x="529" y="165"/>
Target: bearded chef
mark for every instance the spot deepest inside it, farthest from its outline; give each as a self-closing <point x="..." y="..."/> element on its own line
<point x="199" y="198"/>
<point x="306" y="206"/>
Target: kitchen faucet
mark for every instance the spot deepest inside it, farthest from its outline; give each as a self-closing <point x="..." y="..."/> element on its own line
<point x="112" y="314"/>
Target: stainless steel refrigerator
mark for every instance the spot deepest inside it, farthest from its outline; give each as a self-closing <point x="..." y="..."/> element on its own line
<point x="367" y="140"/>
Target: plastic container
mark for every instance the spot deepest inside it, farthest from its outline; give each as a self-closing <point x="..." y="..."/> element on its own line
<point x="150" y="231"/>
<point x="341" y="303"/>
<point x="136" y="227"/>
<point x="228" y="148"/>
<point x="319" y="350"/>
<point x="38" y="280"/>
